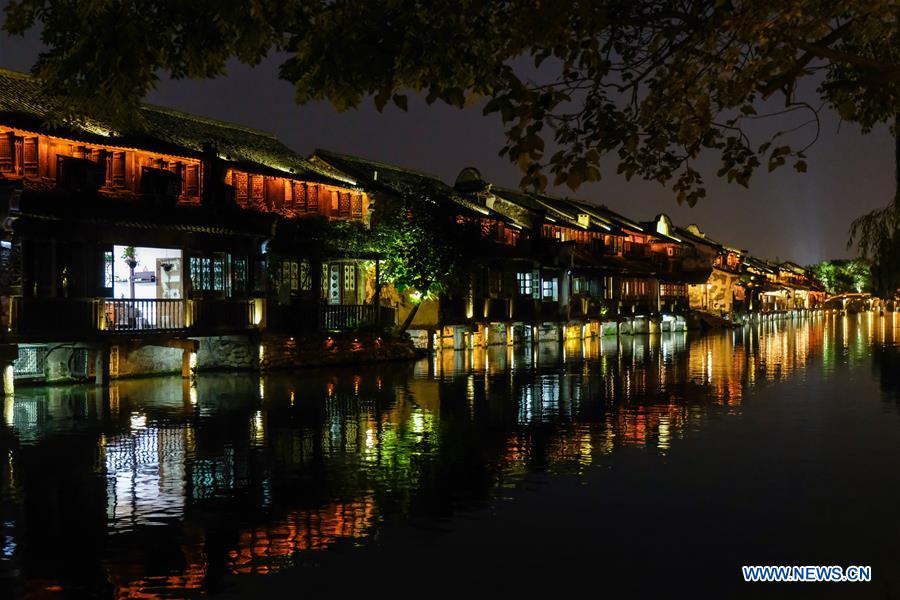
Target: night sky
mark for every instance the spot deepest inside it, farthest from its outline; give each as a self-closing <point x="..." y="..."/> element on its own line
<point x="784" y="215"/>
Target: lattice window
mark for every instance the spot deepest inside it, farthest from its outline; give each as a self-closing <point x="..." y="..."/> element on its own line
<point x="239" y="275"/>
<point x="313" y="198"/>
<point x="300" y="196"/>
<point x="241" y="189"/>
<point x="31" y="361"/>
<point x="218" y="273"/>
<point x="549" y="289"/>
<point x="257" y="190"/>
<point x="208" y="273"/>
<point x="525" y="283"/>
<point x="108" y="263"/>
<point x="290" y="276"/>
<point x="305" y="276"/>
<point x="116" y="169"/>
<point x="349" y="278"/>
<point x="30" y="161"/>
<point x="7" y="153"/>
<point x="288" y="193"/>
<point x="79" y="362"/>
<point x="356" y="209"/>
<point x="192" y="180"/>
<point x="344" y="204"/>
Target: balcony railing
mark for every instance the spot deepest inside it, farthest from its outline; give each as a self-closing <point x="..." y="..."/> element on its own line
<point x="345" y="317"/>
<point x="63" y="319"/>
<point x="222" y="315"/>
<point x="43" y="317"/>
<point x="143" y="315"/>
<point x="82" y="318"/>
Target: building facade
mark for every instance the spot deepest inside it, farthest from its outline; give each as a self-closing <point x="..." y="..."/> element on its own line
<point x="189" y="243"/>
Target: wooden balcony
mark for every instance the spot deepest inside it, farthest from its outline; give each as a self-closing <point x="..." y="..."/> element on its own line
<point x="85" y="319"/>
<point x="222" y="316"/>
<point x="347" y="317"/>
<point x="43" y="318"/>
<point x="91" y="319"/>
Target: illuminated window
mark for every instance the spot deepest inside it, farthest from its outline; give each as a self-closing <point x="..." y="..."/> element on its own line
<point x="550" y="289"/>
<point x="108" y="269"/>
<point x="218" y="273"/>
<point x="524" y="281"/>
<point x="207" y="273"/>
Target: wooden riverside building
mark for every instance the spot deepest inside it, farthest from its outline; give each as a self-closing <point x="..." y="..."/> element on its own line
<point x="211" y="213"/>
<point x="202" y="238"/>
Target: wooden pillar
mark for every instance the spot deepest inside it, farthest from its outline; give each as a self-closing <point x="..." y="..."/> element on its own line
<point x="101" y="366"/>
<point x="377" y="298"/>
<point x="9" y="387"/>
<point x="186" y="367"/>
<point x="8" y="355"/>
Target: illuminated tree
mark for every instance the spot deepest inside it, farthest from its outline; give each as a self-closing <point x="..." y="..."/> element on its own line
<point x="427" y="250"/>
<point x="843" y="276"/>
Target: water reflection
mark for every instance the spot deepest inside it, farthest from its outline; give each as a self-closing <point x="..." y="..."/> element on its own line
<point x="159" y="488"/>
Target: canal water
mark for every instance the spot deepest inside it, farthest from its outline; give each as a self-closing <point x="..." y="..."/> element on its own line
<point x="643" y="467"/>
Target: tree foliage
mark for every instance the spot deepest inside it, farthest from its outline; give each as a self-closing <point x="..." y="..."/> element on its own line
<point x="843" y="276"/>
<point x="426" y="249"/>
<point x="652" y="83"/>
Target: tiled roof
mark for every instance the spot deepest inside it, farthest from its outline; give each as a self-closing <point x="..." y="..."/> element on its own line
<point x="400" y="181"/>
<point x="23" y="102"/>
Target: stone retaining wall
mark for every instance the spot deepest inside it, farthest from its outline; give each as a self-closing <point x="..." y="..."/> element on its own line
<point x="284" y="352"/>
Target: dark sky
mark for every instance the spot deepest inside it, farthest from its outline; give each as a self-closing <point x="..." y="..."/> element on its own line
<point x="783" y="215"/>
